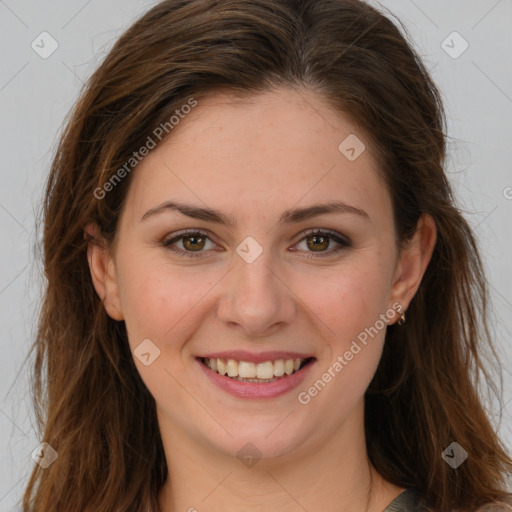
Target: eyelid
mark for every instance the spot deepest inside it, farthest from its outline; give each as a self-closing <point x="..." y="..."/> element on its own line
<point x="333" y="234"/>
<point x="190" y="231"/>
<point x="168" y="241"/>
<point x="342" y="240"/>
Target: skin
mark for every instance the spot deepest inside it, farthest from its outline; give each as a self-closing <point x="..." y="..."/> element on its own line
<point x="253" y="159"/>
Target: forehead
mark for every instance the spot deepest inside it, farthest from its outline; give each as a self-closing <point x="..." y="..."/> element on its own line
<point x="258" y="154"/>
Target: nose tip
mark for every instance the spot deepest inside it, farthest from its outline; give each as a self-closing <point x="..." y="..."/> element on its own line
<point x="255" y="297"/>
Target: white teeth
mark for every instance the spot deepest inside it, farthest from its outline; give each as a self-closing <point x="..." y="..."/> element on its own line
<point x="221" y="366"/>
<point x="232" y="368"/>
<point x="279" y="368"/>
<point x="265" y="370"/>
<point x="247" y="370"/>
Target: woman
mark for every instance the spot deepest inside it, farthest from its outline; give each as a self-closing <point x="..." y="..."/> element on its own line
<point x="260" y="293"/>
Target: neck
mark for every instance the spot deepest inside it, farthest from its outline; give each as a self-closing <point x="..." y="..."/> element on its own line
<point x="333" y="474"/>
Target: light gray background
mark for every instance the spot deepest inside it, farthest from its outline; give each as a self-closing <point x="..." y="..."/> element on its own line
<point x="36" y="94"/>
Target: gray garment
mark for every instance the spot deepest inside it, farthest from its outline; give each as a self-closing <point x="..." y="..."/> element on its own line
<point x="410" y="501"/>
<point x="407" y="501"/>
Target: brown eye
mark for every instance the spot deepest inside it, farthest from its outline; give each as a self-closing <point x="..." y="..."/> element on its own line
<point x="192" y="243"/>
<point x="318" y="242"/>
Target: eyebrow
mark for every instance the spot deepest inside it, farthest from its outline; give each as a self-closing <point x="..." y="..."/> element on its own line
<point x="291" y="216"/>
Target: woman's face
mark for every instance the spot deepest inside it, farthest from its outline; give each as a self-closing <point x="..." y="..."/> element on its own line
<point x="260" y="288"/>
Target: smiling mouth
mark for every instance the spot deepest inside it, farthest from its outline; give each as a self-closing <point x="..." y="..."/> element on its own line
<point x="261" y="373"/>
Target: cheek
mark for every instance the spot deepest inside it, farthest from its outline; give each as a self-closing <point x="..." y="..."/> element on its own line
<point x="348" y="299"/>
<point x="153" y="303"/>
<point x="162" y="301"/>
<point x="350" y="308"/>
<point x="162" y="304"/>
<point x="352" y="305"/>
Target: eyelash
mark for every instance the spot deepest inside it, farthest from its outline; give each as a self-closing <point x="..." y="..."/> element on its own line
<point x="331" y="235"/>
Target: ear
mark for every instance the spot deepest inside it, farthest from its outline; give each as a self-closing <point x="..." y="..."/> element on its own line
<point x="102" y="268"/>
<point x="412" y="263"/>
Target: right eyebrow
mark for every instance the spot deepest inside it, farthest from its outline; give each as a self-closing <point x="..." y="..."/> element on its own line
<point x="291" y="216"/>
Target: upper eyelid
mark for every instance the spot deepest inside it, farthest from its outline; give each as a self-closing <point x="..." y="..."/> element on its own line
<point x="191" y="231"/>
<point x="308" y="232"/>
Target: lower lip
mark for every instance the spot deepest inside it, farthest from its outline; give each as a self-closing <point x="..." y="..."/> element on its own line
<point x="254" y="389"/>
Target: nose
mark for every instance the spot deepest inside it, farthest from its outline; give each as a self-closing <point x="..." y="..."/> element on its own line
<point x="256" y="297"/>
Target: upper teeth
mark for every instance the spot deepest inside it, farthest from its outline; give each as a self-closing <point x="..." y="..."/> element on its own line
<point x="244" y="369"/>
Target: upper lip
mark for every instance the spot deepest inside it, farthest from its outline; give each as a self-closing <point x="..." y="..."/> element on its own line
<point x="252" y="357"/>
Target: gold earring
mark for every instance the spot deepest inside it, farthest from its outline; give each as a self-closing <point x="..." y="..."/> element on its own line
<point x="401" y="320"/>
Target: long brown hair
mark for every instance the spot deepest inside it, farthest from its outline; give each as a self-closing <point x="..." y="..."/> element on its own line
<point x="92" y="406"/>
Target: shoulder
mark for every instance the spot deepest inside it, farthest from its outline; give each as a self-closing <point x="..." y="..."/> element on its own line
<point x="500" y="506"/>
<point x="410" y="500"/>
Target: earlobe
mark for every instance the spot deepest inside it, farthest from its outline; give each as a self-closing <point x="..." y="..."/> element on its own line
<point x="413" y="262"/>
<point x="102" y="268"/>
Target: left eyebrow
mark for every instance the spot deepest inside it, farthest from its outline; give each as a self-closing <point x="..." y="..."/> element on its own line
<point x="291" y="216"/>
<point x="295" y="215"/>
